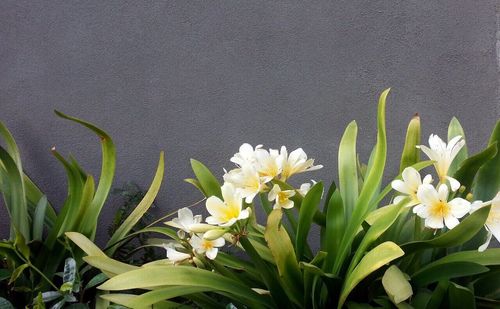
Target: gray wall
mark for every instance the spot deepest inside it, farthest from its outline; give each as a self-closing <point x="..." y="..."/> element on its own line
<point x="197" y="79"/>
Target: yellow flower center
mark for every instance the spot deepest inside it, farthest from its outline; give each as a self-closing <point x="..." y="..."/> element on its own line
<point x="440" y="209"/>
<point x="282" y="197"/>
<point x="231" y="211"/>
<point x="207" y="245"/>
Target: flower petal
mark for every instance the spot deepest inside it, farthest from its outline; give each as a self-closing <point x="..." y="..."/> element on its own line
<point x="443" y="192"/>
<point x="459" y="207"/>
<point x="434" y="222"/>
<point x="454" y="184"/>
<point x="427" y="194"/>
<point x="211" y="253"/>
<point x="451" y="221"/>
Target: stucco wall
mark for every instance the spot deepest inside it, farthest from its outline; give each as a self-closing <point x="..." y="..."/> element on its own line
<point x="197" y="79"/>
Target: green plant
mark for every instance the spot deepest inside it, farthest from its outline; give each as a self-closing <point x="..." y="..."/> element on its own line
<point x="37" y="248"/>
<point x="419" y="250"/>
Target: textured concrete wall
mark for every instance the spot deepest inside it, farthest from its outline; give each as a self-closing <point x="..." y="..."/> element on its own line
<point x="197" y="79"/>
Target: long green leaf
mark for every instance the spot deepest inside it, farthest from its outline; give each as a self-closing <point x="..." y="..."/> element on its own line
<point x="469" y="168"/>
<point x="153" y="297"/>
<point x="109" y="266"/>
<point x="206" y="179"/>
<point x="39" y="218"/>
<point x="447" y="271"/>
<point x="283" y="252"/>
<point x="15" y="198"/>
<point x="370" y="185"/>
<point x="335" y="223"/>
<point x="411" y="155"/>
<point x="106" y="177"/>
<point x="373" y="260"/>
<point x="140" y="210"/>
<point x="308" y="208"/>
<point x="348" y="173"/>
<point x="455" y="237"/>
<point x="125" y="299"/>
<point x="488" y="177"/>
<point x="33" y="195"/>
<point x="159" y="276"/>
<point x="461" y="297"/>
<point x="396" y="285"/>
<point x="455" y="129"/>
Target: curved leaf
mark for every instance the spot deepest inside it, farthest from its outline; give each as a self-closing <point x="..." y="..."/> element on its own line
<point x="154" y="277"/>
<point x="411" y="154"/>
<point x="373" y="260"/>
<point x="447" y="271"/>
<point x="348" y="174"/>
<point x="206" y="179"/>
<point x="455" y="129"/>
<point x="396" y="285"/>
<point x="488" y="176"/>
<point x="308" y="208"/>
<point x="335" y="223"/>
<point x="139" y="210"/>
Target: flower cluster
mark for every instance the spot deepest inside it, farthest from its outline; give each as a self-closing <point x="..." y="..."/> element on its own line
<point x="433" y="203"/>
<point x="255" y="170"/>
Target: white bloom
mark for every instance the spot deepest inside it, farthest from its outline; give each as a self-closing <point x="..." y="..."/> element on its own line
<point x="435" y="208"/>
<point x="443" y="154"/>
<point x="268" y="163"/>
<point x="409" y="185"/>
<point x="247" y="180"/>
<point x="227" y="212"/>
<point x="305" y="187"/>
<point x="184" y="220"/>
<point x="492" y="222"/>
<point x="281" y="198"/>
<point x="174" y="255"/>
<point x="246" y="155"/>
<point x="296" y="163"/>
<point x="208" y="247"/>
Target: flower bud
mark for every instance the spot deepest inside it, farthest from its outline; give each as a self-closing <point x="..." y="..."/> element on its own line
<point x="201" y="227"/>
<point x="469" y="197"/>
<point x="214" y="234"/>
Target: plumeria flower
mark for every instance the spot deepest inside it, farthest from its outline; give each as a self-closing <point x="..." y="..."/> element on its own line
<point x="409" y="185"/>
<point x="226" y="213"/>
<point x="443" y="155"/>
<point x="268" y="163"/>
<point x="296" y="163"/>
<point x="435" y="208"/>
<point x="174" y="255"/>
<point x="246" y="155"/>
<point x="281" y="197"/>
<point x="184" y="220"/>
<point x="208" y="247"/>
<point x="248" y="181"/>
<point x="492" y="222"/>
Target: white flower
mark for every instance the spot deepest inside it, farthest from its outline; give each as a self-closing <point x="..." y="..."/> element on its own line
<point x="305" y="187"/>
<point x="281" y="198"/>
<point x="226" y="213"/>
<point x="296" y="163"/>
<point x="208" y="247"/>
<point x="409" y="185"/>
<point x="174" y="255"/>
<point x="247" y="181"/>
<point x="246" y="155"/>
<point x="443" y="154"/>
<point x="435" y="208"/>
<point x="184" y="220"/>
<point x="492" y="222"/>
<point x="268" y="163"/>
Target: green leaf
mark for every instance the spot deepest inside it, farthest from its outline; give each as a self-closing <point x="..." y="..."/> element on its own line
<point x="124" y="299"/>
<point x="14" y="196"/>
<point x="335" y="223"/>
<point x="108" y="265"/>
<point x="308" y="208"/>
<point x="488" y="177"/>
<point x="207" y="180"/>
<point x="348" y="174"/>
<point x="33" y="195"/>
<point x="488" y="285"/>
<point x="17" y="272"/>
<point x="159" y="276"/>
<point x="39" y="218"/>
<point x="370" y="186"/>
<point x="469" y="168"/>
<point x="396" y="285"/>
<point x="411" y="155"/>
<point x="373" y="260"/>
<point x="282" y="250"/>
<point x="140" y="210"/>
<point x="107" y="174"/>
<point x="455" y="237"/>
<point x="447" y="271"/>
<point x="97" y="279"/>
<point x="21" y="246"/>
<point x="455" y="129"/>
<point x="169" y="292"/>
<point x="460" y="297"/>
<point x="196" y="184"/>
<point x="5" y="304"/>
<point x="69" y="271"/>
